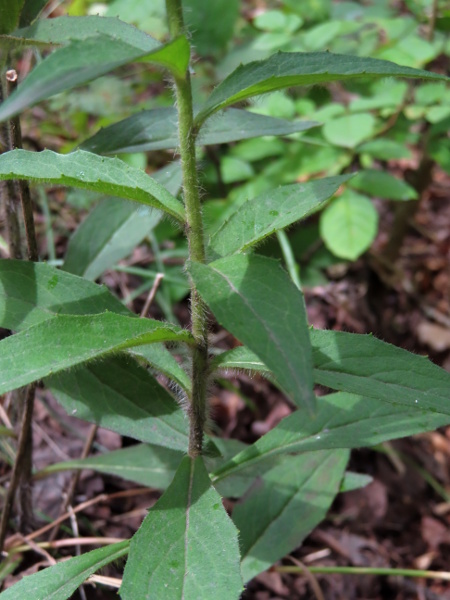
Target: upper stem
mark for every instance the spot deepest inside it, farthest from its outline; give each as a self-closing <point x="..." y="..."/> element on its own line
<point x="194" y="234"/>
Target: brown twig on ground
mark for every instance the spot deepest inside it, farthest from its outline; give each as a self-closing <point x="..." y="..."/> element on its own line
<point x="66" y="506"/>
<point x="159" y="277"/>
<point x="312" y="580"/>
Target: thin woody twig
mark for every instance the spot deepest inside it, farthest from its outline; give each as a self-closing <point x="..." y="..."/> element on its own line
<point x="11" y="542"/>
<point x="75" y="478"/>
<point x="159" y="277"/>
<point x="312" y="580"/>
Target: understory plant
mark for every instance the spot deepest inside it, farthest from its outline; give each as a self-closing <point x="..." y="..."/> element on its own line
<point x="103" y="363"/>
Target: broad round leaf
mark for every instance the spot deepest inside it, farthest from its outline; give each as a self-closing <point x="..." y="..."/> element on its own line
<point x="349" y="225"/>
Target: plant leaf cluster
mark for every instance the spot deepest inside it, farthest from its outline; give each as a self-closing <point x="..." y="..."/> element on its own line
<point x="101" y="361"/>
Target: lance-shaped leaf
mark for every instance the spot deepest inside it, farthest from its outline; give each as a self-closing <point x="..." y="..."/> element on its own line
<point x="66" y="341"/>
<point x="284" y="507"/>
<point x="148" y="465"/>
<point x="81" y="61"/>
<point x="276" y="209"/>
<point x="157" y="129"/>
<point x="31" y="293"/>
<point x="60" y="581"/>
<point x="154" y="466"/>
<point x="254" y="298"/>
<point x="120" y="395"/>
<point x="113" y="229"/>
<point x="63" y="30"/>
<point x="288" y="69"/>
<point x="342" y="421"/>
<point x="85" y="170"/>
<point x="362" y="364"/>
<point x="187" y="546"/>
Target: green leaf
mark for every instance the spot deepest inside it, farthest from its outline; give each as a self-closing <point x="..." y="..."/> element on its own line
<point x="152" y="466"/>
<point x="383" y="185"/>
<point x="241" y="358"/>
<point x="60" y="581"/>
<point x="9" y="14"/>
<point x="276" y="209"/>
<point x="158" y="357"/>
<point x="354" y="481"/>
<point x="63" y="30"/>
<point x="30" y="11"/>
<point x="285" y="506"/>
<point x="155" y="466"/>
<point x="349" y="131"/>
<point x="385" y="149"/>
<point x="362" y="364"/>
<point x="288" y="69"/>
<point x="254" y="298"/>
<point x="66" y="341"/>
<point x="342" y="421"/>
<point x="113" y="229"/>
<point x="84" y="60"/>
<point x="120" y="395"/>
<point x="187" y="546"/>
<point x="157" y="130"/>
<point x="88" y="171"/>
<point x="349" y="225"/>
<point x="31" y="293"/>
<point x="220" y="17"/>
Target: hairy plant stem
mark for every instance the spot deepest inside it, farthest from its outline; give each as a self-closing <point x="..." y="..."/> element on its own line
<point x="194" y="234"/>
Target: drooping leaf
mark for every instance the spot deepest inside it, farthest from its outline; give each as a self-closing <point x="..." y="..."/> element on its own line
<point x="154" y="466"/>
<point x="88" y="171"/>
<point x="362" y="364"/>
<point x="342" y="421"/>
<point x="288" y="69"/>
<point x="276" y="209"/>
<point x="63" y="30"/>
<point x="31" y="293"/>
<point x="113" y="229"/>
<point x="187" y="546"/>
<point x="254" y="298"/>
<point x="60" y="581"/>
<point x="120" y="395"/>
<point x="349" y="225"/>
<point x="285" y="506"/>
<point x="66" y="341"/>
<point x="157" y="130"/>
<point x="383" y="185"/>
<point x="82" y="61"/>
